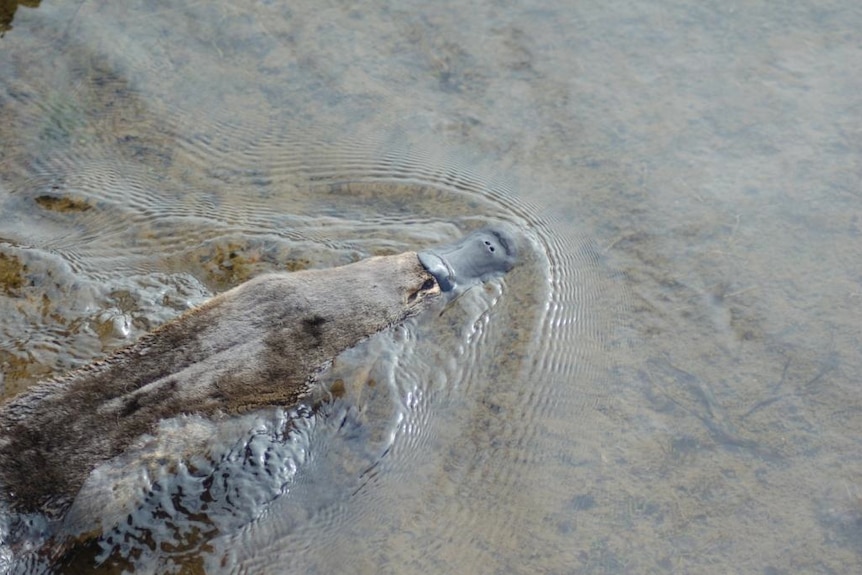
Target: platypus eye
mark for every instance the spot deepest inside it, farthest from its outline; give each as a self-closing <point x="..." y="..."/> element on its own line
<point x="426" y="286"/>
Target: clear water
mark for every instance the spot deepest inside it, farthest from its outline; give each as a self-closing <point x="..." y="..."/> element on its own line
<point x="665" y="385"/>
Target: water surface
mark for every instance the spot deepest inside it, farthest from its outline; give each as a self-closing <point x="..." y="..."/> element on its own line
<point x="666" y="385"/>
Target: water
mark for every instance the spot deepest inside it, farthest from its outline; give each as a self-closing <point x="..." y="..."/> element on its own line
<point x="665" y="385"/>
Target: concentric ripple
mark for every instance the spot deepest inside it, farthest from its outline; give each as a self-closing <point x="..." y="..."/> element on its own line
<point x="441" y="430"/>
<point x="454" y="411"/>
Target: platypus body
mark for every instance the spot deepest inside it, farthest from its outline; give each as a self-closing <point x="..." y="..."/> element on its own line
<point x="260" y="344"/>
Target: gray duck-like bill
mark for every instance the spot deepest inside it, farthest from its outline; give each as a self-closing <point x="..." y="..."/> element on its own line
<point x="474" y="258"/>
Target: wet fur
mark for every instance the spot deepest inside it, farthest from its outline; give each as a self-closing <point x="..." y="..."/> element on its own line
<point x="259" y="344"/>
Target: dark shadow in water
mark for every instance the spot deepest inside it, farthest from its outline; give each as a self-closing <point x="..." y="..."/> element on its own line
<point x="7" y="12"/>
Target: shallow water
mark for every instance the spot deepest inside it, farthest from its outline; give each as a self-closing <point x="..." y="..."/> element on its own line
<point x="665" y="385"/>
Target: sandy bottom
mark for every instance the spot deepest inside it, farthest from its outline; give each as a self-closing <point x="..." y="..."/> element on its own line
<point x="666" y="386"/>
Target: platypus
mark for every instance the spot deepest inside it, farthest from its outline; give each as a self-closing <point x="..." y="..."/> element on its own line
<point x="260" y="344"/>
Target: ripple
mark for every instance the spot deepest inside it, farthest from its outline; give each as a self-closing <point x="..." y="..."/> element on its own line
<point x="466" y="403"/>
